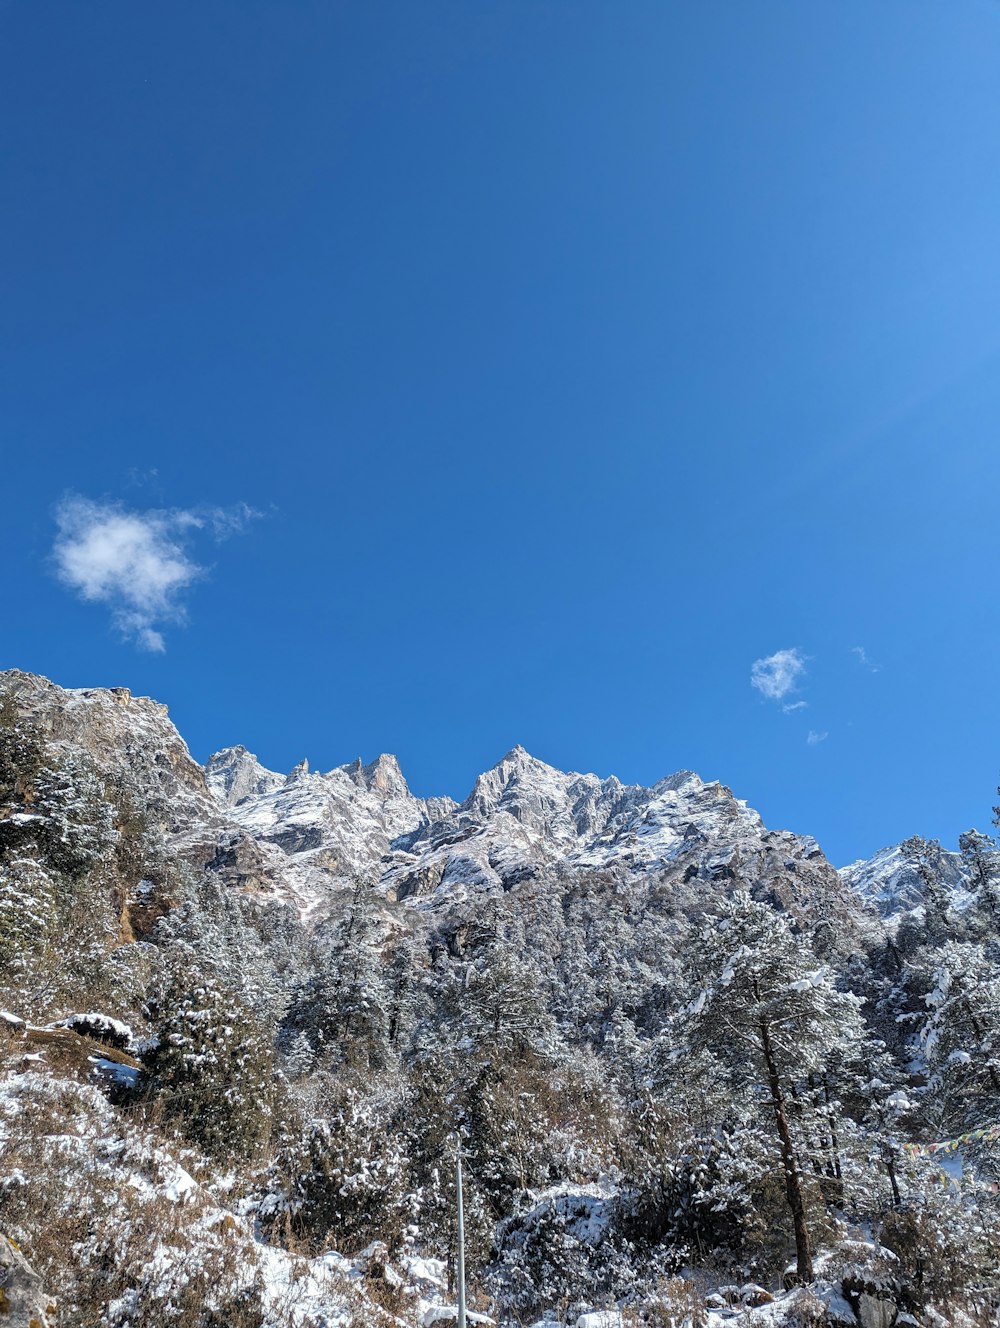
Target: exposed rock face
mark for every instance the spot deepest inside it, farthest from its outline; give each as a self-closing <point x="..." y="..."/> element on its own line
<point x="23" y="1303"/>
<point x="123" y="733"/>
<point x="235" y="775"/>
<point x="304" y="836"/>
<point x="875" y="1313"/>
<point x="890" y="881"/>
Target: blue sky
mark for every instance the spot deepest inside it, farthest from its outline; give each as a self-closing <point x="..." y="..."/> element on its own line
<point x="435" y="377"/>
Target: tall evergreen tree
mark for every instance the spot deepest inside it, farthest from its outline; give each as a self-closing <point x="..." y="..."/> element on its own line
<point x="774" y="1018"/>
<point x="961" y="1035"/>
<point x="982" y="865"/>
<point x="350" y="1005"/>
<point x="213" y="1067"/>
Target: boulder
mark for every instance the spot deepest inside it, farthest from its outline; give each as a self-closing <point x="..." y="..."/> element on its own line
<point x="875" y="1313"/>
<point x="23" y="1303"/>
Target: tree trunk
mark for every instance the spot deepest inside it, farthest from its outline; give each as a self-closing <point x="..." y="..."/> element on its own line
<point x="834" y="1139"/>
<point x="977" y="1028"/>
<point x="793" y="1185"/>
<point x="890" y="1166"/>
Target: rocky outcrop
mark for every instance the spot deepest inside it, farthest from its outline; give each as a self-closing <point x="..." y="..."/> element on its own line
<point x="130" y="740"/>
<point x="23" y="1302"/>
<point x="890" y="880"/>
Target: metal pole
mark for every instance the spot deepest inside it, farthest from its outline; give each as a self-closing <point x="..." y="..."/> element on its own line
<point x="461" y="1238"/>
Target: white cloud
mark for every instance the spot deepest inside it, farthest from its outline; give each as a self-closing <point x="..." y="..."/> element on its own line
<point x="777" y="674"/>
<point x="863" y="659"/>
<point x="812" y="738"/>
<point x="137" y="563"/>
<point x="794" y="705"/>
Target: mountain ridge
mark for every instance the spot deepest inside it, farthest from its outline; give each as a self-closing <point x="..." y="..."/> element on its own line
<point x="306" y="836"/>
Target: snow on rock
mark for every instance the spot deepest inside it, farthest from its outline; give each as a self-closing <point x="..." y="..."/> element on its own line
<point x="103" y="1027"/>
<point x="302" y="839"/>
<point x="432" y="1271"/>
<point x="890" y="882"/>
<point x="124" y="1076"/>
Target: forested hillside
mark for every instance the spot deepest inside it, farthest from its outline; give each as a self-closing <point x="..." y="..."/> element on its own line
<point x="696" y="1074"/>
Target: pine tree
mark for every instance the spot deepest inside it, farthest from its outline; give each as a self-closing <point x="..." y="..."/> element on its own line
<point x="925" y="857"/>
<point x="28" y="896"/>
<point x="961" y="1034"/>
<point x="982" y="864"/>
<point x="504" y="1004"/>
<point x="345" y="1175"/>
<point x="406" y="999"/>
<point x="773" y="1018"/>
<point x="213" y="1067"/>
<point x="350" y="1005"/>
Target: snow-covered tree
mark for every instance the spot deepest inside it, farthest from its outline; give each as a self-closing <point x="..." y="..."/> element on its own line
<point x="27" y="913"/>
<point x="504" y="1005"/>
<point x="982" y="865"/>
<point x="213" y="1067"/>
<point x="961" y="1035"/>
<point x="925" y="855"/>
<point x="348" y="1005"/>
<point x="773" y="1017"/>
<point x="343" y="1175"/>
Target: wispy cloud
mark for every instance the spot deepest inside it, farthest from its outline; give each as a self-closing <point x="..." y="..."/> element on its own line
<point x="224" y="522"/>
<point x="794" y="705"/>
<point x="777" y="675"/>
<point x="138" y="563"/>
<point x="812" y="737"/>
<point x="139" y="478"/>
<point x="863" y="659"/>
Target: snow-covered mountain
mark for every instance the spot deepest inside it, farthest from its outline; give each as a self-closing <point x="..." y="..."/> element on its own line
<point x="521" y="819"/>
<point x="305" y="836"/>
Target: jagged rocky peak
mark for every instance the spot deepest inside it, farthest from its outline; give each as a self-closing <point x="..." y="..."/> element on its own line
<point x="382" y="775"/>
<point x="538" y="794"/>
<point x="234" y="774"/>
<point x="515" y="776"/>
<point x="571" y="806"/>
